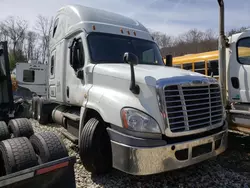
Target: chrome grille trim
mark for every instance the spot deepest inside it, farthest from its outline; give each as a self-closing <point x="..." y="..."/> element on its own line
<point x="193" y="104"/>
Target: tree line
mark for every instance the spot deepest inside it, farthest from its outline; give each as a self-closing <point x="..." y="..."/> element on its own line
<point x="24" y="43"/>
<point x="33" y="44"/>
<point x="192" y="41"/>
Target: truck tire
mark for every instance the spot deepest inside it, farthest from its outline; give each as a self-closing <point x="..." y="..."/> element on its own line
<point x="42" y="114"/>
<point x="48" y="146"/>
<point x="16" y="154"/>
<point x="34" y="107"/>
<point x="95" y="147"/>
<point x="21" y="127"/>
<point x="4" y="131"/>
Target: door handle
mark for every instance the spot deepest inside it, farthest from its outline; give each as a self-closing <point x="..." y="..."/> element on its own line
<point x="235" y="82"/>
<point x="67" y="91"/>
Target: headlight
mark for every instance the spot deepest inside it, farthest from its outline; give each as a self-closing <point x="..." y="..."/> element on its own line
<point x="138" y="121"/>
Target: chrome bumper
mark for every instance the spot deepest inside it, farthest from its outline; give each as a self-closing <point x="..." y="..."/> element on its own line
<point x="153" y="160"/>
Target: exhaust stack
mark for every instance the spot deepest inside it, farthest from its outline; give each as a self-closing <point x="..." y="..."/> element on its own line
<point x="222" y="52"/>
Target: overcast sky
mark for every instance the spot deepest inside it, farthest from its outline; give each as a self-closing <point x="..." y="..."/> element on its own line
<point x="168" y="16"/>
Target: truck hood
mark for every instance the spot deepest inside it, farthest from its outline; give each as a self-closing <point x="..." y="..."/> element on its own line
<point x="143" y="73"/>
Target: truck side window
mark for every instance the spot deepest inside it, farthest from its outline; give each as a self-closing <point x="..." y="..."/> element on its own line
<point x="55" y="27"/>
<point x="28" y="75"/>
<point x="243" y="51"/>
<point x="52" y="65"/>
<point x="199" y="67"/>
<point x="77" y="54"/>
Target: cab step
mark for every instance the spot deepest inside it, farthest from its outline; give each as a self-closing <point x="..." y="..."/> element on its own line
<point x="70" y="136"/>
<point x="73" y="117"/>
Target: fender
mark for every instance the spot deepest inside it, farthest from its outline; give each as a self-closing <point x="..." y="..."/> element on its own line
<point x="108" y="102"/>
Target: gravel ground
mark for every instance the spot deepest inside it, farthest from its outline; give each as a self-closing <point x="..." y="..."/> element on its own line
<point x="231" y="169"/>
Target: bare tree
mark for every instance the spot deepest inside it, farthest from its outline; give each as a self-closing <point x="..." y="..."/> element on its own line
<point x="193" y="41"/>
<point x="236" y="30"/>
<point x="162" y="39"/>
<point x="193" y="36"/>
<point x="37" y="53"/>
<point x="3" y="33"/>
<point x="14" y="28"/>
<point x="31" y="38"/>
<point x="44" y="26"/>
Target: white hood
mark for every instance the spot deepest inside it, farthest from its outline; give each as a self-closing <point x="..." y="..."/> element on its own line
<point x="142" y="72"/>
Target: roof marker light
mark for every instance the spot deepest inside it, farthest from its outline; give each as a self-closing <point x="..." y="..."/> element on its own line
<point x="93" y="27"/>
<point x="128" y="33"/>
<point x="121" y="30"/>
<point x="134" y="33"/>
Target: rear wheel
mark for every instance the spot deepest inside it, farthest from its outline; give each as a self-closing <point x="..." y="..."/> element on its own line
<point x="21" y="127"/>
<point x="48" y="146"/>
<point x="95" y="147"/>
<point x="34" y="107"/>
<point x="16" y="154"/>
<point x="4" y="132"/>
<point x="42" y="113"/>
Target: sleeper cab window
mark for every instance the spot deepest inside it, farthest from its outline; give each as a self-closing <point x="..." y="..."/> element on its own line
<point x="55" y="27"/>
<point x="52" y="66"/>
<point x="243" y="51"/>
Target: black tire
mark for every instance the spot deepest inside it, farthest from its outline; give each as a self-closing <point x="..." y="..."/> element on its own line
<point x="21" y="127"/>
<point x="42" y="114"/>
<point x="16" y="154"/>
<point x="34" y="107"/>
<point x="48" y="146"/>
<point x="95" y="147"/>
<point x="4" y="131"/>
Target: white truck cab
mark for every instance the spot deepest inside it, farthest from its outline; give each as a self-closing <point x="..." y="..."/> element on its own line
<point x="238" y="77"/>
<point x="110" y="89"/>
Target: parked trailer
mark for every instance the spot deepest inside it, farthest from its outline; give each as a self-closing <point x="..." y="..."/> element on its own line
<point x="109" y="87"/>
<point x="28" y="159"/>
<point x="32" y="76"/>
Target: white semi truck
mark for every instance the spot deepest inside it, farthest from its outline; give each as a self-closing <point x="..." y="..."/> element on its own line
<point x="109" y="87"/>
<point x="235" y="75"/>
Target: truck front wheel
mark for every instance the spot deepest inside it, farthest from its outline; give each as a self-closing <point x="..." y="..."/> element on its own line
<point x="95" y="147"/>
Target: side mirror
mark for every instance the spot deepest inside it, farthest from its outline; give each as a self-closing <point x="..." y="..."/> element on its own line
<point x="169" y="60"/>
<point x="130" y="58"/>
<point x="80" y="74"/>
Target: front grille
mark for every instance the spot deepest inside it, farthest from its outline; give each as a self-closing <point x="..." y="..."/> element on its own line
<point x="193" y="107"/>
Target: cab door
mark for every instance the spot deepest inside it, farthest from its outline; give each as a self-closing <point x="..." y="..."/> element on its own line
<point x="239" y="68"/>
<point x="75" y="81"/>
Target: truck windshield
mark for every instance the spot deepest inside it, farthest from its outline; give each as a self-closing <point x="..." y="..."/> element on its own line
<point x="109" y="48"/>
